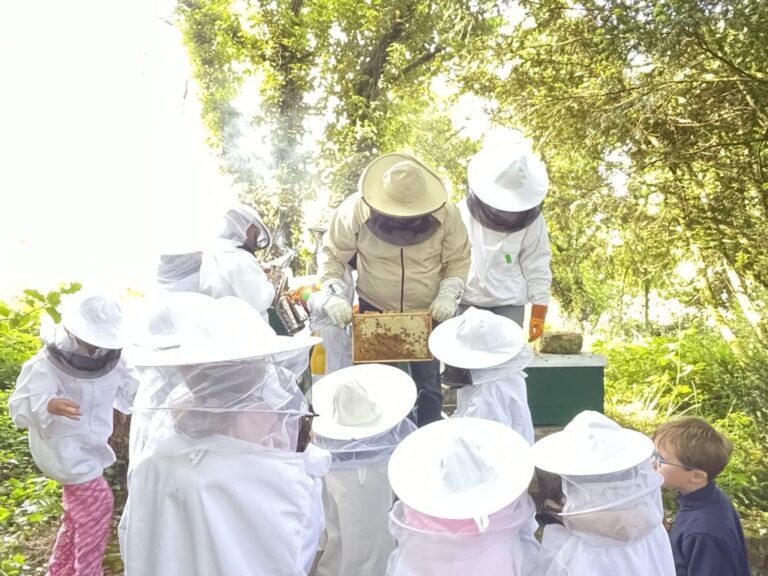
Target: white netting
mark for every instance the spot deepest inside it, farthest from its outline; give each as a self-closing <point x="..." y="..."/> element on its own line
<point x="499" y="394"/>
<point x="367" y="451"/>
<point x="255" y="400"/>
<point x="622" y="505"/>
<point x="429" y="545"/>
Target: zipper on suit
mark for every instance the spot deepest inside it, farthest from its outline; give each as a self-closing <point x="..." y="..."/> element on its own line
<point x="402" y="279"/>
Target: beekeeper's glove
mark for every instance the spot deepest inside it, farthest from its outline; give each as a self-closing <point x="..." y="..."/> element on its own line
<point x="447" y="300"/>
<point x="337" y="307"/>
<point x="536" y="325"/>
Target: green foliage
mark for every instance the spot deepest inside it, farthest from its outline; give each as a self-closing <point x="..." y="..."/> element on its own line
<point x="338" y="78"/>
<point x="696" y="373"/>
<point x="24" y="315"/>
<point x="29" y="503"/>
<point x="652" y="118"/>
<point x="15" y="348"/>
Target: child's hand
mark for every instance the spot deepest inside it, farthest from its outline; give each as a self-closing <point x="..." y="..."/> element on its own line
<point x="64" y="407"/>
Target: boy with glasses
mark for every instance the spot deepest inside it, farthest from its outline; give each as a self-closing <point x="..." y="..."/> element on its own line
<point x="707" y="538"/>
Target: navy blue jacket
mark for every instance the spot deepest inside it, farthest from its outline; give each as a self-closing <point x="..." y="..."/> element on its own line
<point x="707" y="539"/>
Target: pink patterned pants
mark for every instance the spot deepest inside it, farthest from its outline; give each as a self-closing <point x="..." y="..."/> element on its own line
<point x="84" y="532"/>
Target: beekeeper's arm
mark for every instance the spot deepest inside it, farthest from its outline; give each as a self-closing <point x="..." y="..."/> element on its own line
<point x="252" y="284"/>
<point x="126" y="390"/>
<point x="338" y="248"/>
<point x="456" y="263"/>
<point x="235" y="272"/>
<point x="535" y="257"/>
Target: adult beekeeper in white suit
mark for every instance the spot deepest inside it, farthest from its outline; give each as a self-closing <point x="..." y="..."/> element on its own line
<point x="506" y="184"/>
<point x="361" y="418"/>
<point x="227" y="482"/>
<point x="461" y="485"/>
<point x="412" y="254"/>
<point x="230" y="267"/>
<point x="492" y="354"/>
<point x="612" y="518"/>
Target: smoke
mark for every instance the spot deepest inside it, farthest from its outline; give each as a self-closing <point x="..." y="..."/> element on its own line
<point x="103" y="151"/>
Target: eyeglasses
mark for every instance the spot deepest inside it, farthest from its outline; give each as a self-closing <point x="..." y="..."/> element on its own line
<point x="659" y="459"/>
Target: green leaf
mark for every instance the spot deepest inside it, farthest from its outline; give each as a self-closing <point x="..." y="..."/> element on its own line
<point x="53" y="313"/>
<point x="34" y="294"/>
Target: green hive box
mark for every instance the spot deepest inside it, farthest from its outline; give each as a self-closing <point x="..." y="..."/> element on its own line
<point x="562" y="385"/>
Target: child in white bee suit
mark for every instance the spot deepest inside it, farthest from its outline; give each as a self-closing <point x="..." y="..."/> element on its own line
<point x="361" y="418"/>
<point x="491" y="352"/>
<point x="65" y="395"/>
<point x="461" y="485"/>
<point x="612" y="518"/>
<point x="227" y="481"/>
<point x="230" y="267"/>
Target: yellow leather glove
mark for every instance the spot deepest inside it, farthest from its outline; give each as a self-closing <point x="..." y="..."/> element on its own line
<point x="536" y="325"/>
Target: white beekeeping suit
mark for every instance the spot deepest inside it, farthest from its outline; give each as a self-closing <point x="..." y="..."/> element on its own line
<point x="506" y="185"/>
<point x="361" y="419"/>
<point x="229" y="268"/>
<point x="492" y="349"/>
<point x="337" y="340"/>
<point x="461" y="484"/>
<point x="224" y="480"/>
<point x="612" y="518"/>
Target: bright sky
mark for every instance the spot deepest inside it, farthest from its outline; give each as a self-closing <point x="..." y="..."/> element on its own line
<point x="103" y="162"/>
<point x="102" y="158"/>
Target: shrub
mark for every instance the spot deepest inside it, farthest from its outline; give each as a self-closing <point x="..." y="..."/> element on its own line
<point x="697" y="373"/>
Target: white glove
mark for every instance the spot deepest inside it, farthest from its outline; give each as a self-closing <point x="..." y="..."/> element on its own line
<point x="447" y="300"/>
<point x="337" y="307"/>
<point x="339" y="310"/>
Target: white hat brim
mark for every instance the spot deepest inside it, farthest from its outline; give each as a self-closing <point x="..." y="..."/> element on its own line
<point x="482" y="172"/>
<point x="448" y="349"/>
<point x="108" y="337"/>
<point x="560" y="454"/>
<point x="189" y="355"/>
<point x="370" y="186"/>
<point x="393" y="391"/>
<point x="415" y="465"/>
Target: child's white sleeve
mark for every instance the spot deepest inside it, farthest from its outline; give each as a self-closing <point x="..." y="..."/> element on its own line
<point x="126" y="391"/>
<point x="28" y="405"/>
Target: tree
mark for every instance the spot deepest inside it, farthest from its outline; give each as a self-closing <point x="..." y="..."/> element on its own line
<point x="674" y="93"/>
<point x="340" y="82"/>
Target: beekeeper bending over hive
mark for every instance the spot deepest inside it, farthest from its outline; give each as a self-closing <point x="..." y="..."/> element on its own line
<point x="412" y="254"/>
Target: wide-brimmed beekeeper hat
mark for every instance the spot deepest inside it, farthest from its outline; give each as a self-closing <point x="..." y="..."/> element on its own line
<point x="591" y="444"/>
<point x="476" y="339"/>
<point x="461" y="468"/>
<point x="361" y="401"/>
<point x="399" y="185"/>
<point x="506" y="174"/>
<point x="179" y="330"/>
<point x="94" y="319"/>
